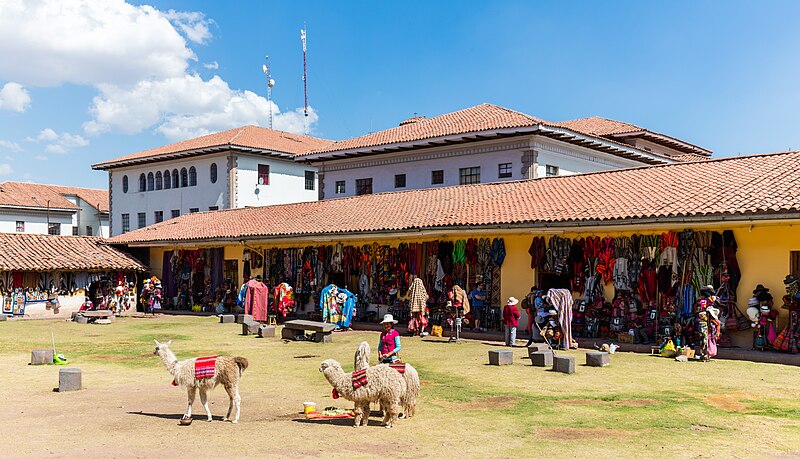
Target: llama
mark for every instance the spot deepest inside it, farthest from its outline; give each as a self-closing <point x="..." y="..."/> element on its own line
<point x="227" y="371"/>
<point x="361" y="362"/>
<point x="384" y="385"/>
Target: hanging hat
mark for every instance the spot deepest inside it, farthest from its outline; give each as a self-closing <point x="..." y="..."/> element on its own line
<point x="707" y="288"/>
<point x="760" y="288"/>
<point x="392" y="291"/>
<point x="388" y="318"/>
<point x="552" y="312"/>
<point x="790" y="279"/>
<point x="512" y="301"/>
<point x="713" y="311"/>
<point x="752" y="301"/>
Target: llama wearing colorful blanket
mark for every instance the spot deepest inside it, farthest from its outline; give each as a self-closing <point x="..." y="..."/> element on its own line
<point x="204" y="374"/>
<point x="410" y="375"/>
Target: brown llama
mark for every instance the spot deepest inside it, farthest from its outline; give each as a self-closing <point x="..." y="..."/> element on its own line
<point x="227" y="371"/>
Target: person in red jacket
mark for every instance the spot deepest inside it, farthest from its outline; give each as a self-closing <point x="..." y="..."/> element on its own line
<point x="511" y="321"/>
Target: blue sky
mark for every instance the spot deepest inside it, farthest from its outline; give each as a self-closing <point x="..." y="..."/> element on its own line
<point x="86" y="81"/>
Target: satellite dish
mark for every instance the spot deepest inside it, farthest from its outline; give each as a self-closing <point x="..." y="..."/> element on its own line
<point x="264" y="68"/>
<point x="271" y="83"/>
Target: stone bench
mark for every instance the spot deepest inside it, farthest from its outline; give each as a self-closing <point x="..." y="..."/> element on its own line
<point x="537" y="347"/>
<point x="564" y="364"/>
<point x="266" y="331"/>
<point x="598" y="359"/>
<point x="87" y="317"/>
<point x="42" y="357"/>
<point x="227" y="318"/>
<point x="69" y="379"/>
<point x="542" y="358"/>
<point x="501" y="357"/>
<point x="101" y="314"/>
<point x="294" y="328"/>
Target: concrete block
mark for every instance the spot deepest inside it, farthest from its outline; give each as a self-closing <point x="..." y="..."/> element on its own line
<point x="3" y="318"/>
<point x="81" y="319"/>
<point x="501" y="357"/>
<point x="323" y="337"/>
<point x="564" y="364"/>
<point x="227" y="319"/>
<point x="250" y="328"/>
<point x="287" y="333"/>
<point x="536" y="347"/>
<point x="42" y="357"/>
<point x="242" y="318"/>
<point x="598" y="359"/>
<point x="542" y="358"/>
<point x="69" y="379"/>
<point x="266" y="331"/>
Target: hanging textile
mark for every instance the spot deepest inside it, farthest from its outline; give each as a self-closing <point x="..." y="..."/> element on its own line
<point x="460" y="298"/>
<point x="498" y="251"/>
<point x="621" y="276"/>
<point x="417" y="298"/>
<point x="255" y="300"/>
<point x="283" y="295"/>
<point x="537" y="251"/>
<point x="561" y="299"/>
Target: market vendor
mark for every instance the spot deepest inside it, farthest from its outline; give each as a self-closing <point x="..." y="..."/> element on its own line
<point x="389" y="344"/>
<point x="477" y="298"/>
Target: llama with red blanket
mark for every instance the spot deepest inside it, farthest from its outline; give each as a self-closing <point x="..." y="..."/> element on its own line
<point x="204" y="374"/>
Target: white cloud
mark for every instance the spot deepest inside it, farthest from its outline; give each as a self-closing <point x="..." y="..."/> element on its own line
<point x="92" y="42"/>
<point x="58" y="143"/>
<point x="5" y="169"/>
<point x="14" y="97"/>
<point x="186" y="107"/>
<point x="41" y="157"/>
<point x="8" y="145"/>
<point x="211" y="65"/>
<point x="193" y="25"/>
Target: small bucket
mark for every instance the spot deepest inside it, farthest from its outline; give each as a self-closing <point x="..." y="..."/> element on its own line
<point x="309" y="407"/>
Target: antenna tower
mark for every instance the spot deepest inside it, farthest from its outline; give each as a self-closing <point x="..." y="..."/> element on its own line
<point x="305" y="77"/>
<point x="270" y="84"/>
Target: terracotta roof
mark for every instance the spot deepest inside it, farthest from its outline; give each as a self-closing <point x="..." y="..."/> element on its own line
<point x="607" y="128"/>
<point x="37" y="195"/>
<point x="484" y="117"/>
<point x="759" y="185"/>
<point x="253" y="137"/>
<point x="43" y="252"/>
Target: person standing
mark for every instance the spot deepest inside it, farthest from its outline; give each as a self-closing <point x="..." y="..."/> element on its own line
<point x="389" y="344"/>
<point x="511" y="321"/>
<point x="477" y="299"/>
<point x="530" y="310"/>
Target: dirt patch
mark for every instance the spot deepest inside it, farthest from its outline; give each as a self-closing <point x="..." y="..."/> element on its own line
<point x="702" y="428"/>
<point x="634" y="402"/>
<point x="488" y="403"/>
<point x="579" y="433"/>
<point x="727" y="402"/>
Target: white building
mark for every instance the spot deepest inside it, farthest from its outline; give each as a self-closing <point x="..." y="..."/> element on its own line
<point x="487" y="143"/>
<point x="34" y="208"/>
<point x="246" y="166"/>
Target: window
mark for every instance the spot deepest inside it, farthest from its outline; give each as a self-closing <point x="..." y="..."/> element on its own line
<point x="184" y="178"/>
<point x="263" y="174"/>
<point x="211" y="208"/>
<point x="159" y="216"/>
<point x="437" y="177"/>
<point x="400" y="180"/>
<point x="309" y="180"/>
<point x="504" y="170"/>
<point x="175" y="183"/>
<point x="159" y="181"/>
<point x="193" y="210"/>
<point x="175" y="213"/>
<point x="126" y="223"/>
<point x="142" y="183"/>
<point x="192" y="176"/>
<point x="551" y="170"/>
<point x="75" y="231"/>
<point x="469" y="175"/>
<point x="124" y="183"/>
<point x="88" y="230"/>
<point x="150" y="182"/>
<point x="363" y="186"/>
<point x="339" y="186"/>
<point x="213" y="172"/>
<point x="54" y="228"/>
<point x="167" y="180"/>
<point x="20" y="226"/>
<point x="142" y="219"/>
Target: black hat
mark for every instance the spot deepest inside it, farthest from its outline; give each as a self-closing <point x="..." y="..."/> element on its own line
<point x="760" y="288"/>
<point x="790" y="279"/>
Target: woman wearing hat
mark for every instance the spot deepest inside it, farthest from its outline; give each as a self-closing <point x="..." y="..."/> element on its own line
<point x="511" y="321"/>
<point x="389" y="344"/>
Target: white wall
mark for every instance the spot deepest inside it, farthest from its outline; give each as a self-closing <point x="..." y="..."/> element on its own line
<point x="87" y="216"/>
<point x="571" y="159"/>
<point x="286" y="182"/>
<point x="202" y="196"/>
<point x="35" y="221"/>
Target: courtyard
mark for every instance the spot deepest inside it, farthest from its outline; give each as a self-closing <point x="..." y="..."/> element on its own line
<point x="640" y="406"/>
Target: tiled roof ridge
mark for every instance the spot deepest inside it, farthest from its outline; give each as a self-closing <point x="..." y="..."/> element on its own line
<point x="535" y="119"/>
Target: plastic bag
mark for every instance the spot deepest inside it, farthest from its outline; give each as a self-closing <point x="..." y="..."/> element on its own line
<point x="436" y="330"/>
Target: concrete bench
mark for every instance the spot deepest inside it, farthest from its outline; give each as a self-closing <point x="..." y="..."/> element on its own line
<point x="87" y="317"/>
<point x="250" y="327"/>
<point x="564" y="364"/>
<point x="227" y="318"/>
<point x="42" y="357"/>
<point x="542" y="358"/>
<point x="598" y="359"/>
<point x="501" y="357"/>
<point x="294" y="328"/>
<point x="101" y="314"/>
<point x="266" y="331"/>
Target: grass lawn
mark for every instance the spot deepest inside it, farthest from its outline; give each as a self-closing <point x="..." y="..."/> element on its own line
<point x="640" y="406"/>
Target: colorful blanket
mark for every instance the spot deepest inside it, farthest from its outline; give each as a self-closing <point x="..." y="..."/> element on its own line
<point x="359" y="378"/>
<point x="400" y="367"/>
<point x="204" y="367"/>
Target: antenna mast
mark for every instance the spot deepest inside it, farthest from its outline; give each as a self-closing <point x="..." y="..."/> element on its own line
<point x="270" y="84"/>
<point x="305" y="77"/>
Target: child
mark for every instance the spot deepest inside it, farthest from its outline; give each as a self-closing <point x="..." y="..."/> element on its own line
<point x="511" y="321"/>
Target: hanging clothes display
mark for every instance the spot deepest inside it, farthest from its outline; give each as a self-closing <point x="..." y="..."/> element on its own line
<point x="256" y="300"/>
<point x="417" y="301"/>
<point x="283" y="296"/>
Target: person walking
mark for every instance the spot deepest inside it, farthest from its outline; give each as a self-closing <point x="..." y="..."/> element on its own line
<point x="511" y="321"/>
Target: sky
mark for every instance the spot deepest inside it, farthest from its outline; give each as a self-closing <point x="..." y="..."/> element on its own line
<point x="84" y="81"/>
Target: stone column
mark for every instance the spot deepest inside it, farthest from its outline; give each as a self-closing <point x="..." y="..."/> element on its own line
<point x="530" y="162"/>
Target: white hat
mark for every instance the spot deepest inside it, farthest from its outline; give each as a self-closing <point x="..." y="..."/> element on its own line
<point x="341" y="297"/>
<point x="713" y="311"/>
<point x="512" y="301"/>
<point x="388" y="318"/>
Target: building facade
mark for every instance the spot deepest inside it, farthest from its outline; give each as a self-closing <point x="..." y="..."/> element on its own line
<point x="248" y="166"/>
